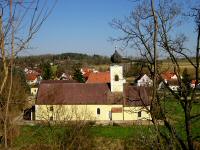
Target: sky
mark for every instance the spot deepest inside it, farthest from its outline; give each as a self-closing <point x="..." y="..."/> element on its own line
<point x="82" y="26"/>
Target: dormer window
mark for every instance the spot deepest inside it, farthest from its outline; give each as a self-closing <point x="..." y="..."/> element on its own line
<point x="116" y="78"/>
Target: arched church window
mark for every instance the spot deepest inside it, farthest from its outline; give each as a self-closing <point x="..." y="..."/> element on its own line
<point x="116" y="78"/>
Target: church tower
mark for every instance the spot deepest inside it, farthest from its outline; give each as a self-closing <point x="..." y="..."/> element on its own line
<point x="116" y="78"/>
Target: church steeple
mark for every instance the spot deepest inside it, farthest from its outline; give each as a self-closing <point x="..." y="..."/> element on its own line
<point x="116" y="57"/>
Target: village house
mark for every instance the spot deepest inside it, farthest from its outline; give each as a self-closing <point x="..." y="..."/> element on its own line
<point x="192" y="84"/>
<point x="144" y="80"/>
<point x="87" y="71"/>
<point x="116" y="100"/>
<point x="99" y="77"/>
<point x="170" y="79"/>
<point x="32" y="77"/>
<point x="169" y="76"/>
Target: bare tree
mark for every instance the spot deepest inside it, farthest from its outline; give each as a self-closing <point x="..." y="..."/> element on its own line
<point x="19" y="22"/>
<point x="151" y="28"/>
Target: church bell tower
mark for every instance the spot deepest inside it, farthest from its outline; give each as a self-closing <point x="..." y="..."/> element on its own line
<point x="116" y="77"/>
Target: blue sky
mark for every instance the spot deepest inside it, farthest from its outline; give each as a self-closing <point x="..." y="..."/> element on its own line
<point x="82" y="26"/>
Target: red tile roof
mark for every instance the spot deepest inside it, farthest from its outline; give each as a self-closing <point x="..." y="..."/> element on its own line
<point x="167" y="75"/>
<point x="193" y="81"/>
<point x="58" y="81"/>
<point x="86" y="72"/>
<point x="99" y="77"/>
<point x="31" y="76"/>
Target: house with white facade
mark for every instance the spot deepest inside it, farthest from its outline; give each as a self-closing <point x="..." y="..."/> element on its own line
<point x="144" y="80"/>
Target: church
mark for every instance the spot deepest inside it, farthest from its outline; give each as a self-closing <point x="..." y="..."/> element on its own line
<point x="116" y="101"/>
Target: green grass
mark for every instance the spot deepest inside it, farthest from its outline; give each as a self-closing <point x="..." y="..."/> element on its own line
<point x="175" y="113"/>
<point x="48" y="135"/>
<point x="119" y="132"/>
<point x="38" y="134"/>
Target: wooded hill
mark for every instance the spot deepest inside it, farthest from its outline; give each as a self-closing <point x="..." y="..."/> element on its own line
<point x="30" y="61"/>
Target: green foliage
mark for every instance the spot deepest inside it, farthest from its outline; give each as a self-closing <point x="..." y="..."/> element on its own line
<point x="77" y="74"/>
<point x="47" y="71"/>
<point x="54" y="70"/>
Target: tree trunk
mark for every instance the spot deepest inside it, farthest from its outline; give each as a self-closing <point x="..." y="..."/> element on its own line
<point x="6" y="123"/>
<point x="188" y="123"/>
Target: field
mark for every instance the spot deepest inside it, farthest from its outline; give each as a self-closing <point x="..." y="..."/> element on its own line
<point x="168" y="66"/>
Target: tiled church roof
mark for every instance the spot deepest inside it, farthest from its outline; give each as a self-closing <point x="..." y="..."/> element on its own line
<point x="64" y="93"/>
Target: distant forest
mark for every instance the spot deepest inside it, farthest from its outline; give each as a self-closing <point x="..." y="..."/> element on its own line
<point x="31" y="61"/>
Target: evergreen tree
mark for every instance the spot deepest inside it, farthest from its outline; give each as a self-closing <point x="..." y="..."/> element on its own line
<point x="47" y="71"/>
<point x="77" y="74"/>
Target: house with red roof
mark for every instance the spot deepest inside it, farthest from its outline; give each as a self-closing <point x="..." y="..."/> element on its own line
<point x="171" y="79"/>
<point x="192" y="84"/>
<point x="33" y="78"/>
<point x="108" y="99"/>
<point x="99" y="77"/>
<point x="87" y="71"/>
<point x="169" y="75"/>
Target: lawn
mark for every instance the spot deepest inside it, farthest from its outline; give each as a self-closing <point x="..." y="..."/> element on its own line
<point x="175" y="113"/>
<point x="119" y="132"/>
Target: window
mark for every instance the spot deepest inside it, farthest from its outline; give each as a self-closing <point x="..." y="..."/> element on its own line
<point x="139" y="114"/>
<point x="98" y="111"/>
<point x="116" y="78"/>
<point x="51" y="118"/>
<point x="51" y="108"/>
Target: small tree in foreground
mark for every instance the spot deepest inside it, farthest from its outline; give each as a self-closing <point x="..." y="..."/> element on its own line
<point x="19" y="22"/>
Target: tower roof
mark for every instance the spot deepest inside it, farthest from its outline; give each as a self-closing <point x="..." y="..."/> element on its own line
<point x="116" y="57"/>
